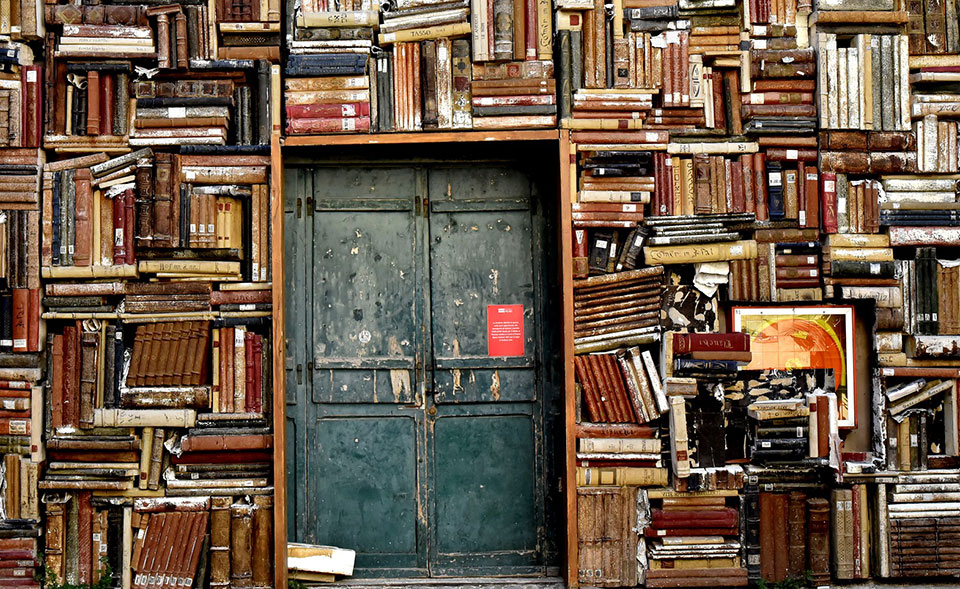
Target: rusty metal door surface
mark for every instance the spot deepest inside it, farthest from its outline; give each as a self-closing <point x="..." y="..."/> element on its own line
<point x="407" y="440"/>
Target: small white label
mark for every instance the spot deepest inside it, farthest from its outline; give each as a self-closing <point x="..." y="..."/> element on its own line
<point x="768" y="486"/>
<point x="193" y="227"/>
<point x="382" y="65"/>
<point x="263" y="274"/>
<point x="255" y="269"/>
<point x="364" y="336"/>
<point x="776" y="179"/>
<point x="118" y="236"/>
<point x="793" y="154"/>
<point x="96" y="537"/>
<point x="760" y="44"/>
<point x="178" y="112"/>
<point x="210" y="228"/>
<point x="348" y="124"/>
<point x="652" y="137"/>
<point x="759" y="31"/>
<point x="613" y="249"/>
<point x="70" y="249"/>
<point x="887" y="371"/>
<point x="802" y="217"/>
<point x="31" y="76"/>
<point x="913" y="440"/>
<point x="874" y="268"/>
<point x="441" y="52"/>
<point x="602" y="244"/>
<point x="812" y="176"/>
<point x="661" y="532"/>
<point x="799" y="432"/>
<point x="829" y="185"/>
<point x="736" y="250"/>
<point x="238" y="337"/>
<point x="247" y="306"/>
<point x="629" y="208"/>
<point x="811" y="259"/>
<point x="765" y="444"/>
<point x="756" y="98"/>
<point x="19" y="342"/>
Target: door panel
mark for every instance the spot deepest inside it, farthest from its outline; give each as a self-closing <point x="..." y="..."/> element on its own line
<point x="364" y="475"/>
<point x="364" y="313"/>
<point x="486" y="515"/>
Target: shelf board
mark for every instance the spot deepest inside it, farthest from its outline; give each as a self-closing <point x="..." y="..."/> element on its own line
<point x="421" y="137"/>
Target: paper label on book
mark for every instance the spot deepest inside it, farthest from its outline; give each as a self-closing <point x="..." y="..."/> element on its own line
<point x="263" y="273"/>
<point x="759" y="31"/>
<point x="19" y="343"/>
<point x="661" y="532"/>
<point x="768" y="486"/>
<point x="887" y="371"/>
<point x="765" y="444"/>
<point x="756" y="98"/>
<point x="238" y="337"/>
<point x="842" y="203"/>
<point x="118" y="236"/>
<point x="193" y="227"/>
<point x="96" y="537"/>
<point x="653" y="137"/>
<point x="348" y="124"/>
<point x="505" y="330"/>
<point x="613" y="250"/>
<point x="753" y="479"/>
<point x="776" y="179"/>
<point x="31" y="76"/>
<point x="811" y="176"/>
<point x="736" y="250"/>
<point x="579" y="235"/>
<point x="874" y="268"/>
<point x="793" y="154"/>
<point x="799" y="432"/>
<point x="802" y="217"/>
<point x="629" y="208"/>
<point x="248" y="306"/>
<point x="177" y="112"/>
<point x="759" y="43"/>
<point x="753" y="559"/>
<point x="602" y="244"/>
<point x="18" y="427"/>
<point x="913" y="440"/>
<point x="829" y="185"/>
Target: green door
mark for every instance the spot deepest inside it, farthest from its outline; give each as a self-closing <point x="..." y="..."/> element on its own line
<point x="407" y="440"/>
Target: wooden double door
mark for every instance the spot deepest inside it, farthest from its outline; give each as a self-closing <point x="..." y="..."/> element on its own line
<point x="407" y="440"/>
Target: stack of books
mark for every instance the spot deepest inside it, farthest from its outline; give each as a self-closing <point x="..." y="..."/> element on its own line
<point x="635" y="292"/>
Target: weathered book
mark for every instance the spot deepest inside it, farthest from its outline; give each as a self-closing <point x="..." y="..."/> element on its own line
<point x="606" y="519"/>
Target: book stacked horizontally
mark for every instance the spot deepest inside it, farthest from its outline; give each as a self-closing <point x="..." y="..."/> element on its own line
<point x="516" y="94"/>
<point x="919" y="201"/>
<point x="106" y="41"/>
<point x="632" y="299"/>
<point x="693" y="539"/>
<point x="248" y="29"/>
<point x="922" y="506"/>
<point x="710" y="356"/>
<point x="19" y="556"/>
<point x="21" y="109"/>
<point x="861" y="273"/>
<point x="695" y="239"/>
<point x="615" y="177"/>
<point x="19" y="251"/>
<point x="208" y="112"/>
<point x="205" y="461"/>
<point x="104" y="462"/>
<point x="328" y="88"/>
<point x="788" y="267"/>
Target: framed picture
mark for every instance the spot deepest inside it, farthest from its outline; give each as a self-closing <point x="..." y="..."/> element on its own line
<point x="794" y="338"/>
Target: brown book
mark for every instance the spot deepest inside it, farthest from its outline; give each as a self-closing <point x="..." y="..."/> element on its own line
<point x="84" y="535"/>
<point x="703" y="190"/>
<point x="768" y="547"/>
<point x="262" y="542"/>
<point x="57" y="383"/>
<point x="241" y="545"/>
<point x="156" y="459"/>
<point x="93" y="103"/>
<point x="88" y="377"/>
<point x="196" y="548"/>
<point x="818" y="539"/>
<point x="107" y="102"/>
<point x="208" y="443"/>
<point x="780" y="535"/>
<point x="183" y="56"/>
<point x="54" y="534"/>
<point x="11" y="499"/>
<point x="220" y="527"/>
<point x="269" y="53"/>
<point x="606" y="518"/>
<point x="70" y="370"/>
<point x="84" y="222"/>
<point x="141" y="524"/>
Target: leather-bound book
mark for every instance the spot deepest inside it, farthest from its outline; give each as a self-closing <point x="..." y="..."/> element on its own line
<point x="220" y="528"/>
<point x="796" y="534"/>
<point x="144" y="201"/>
<point x="88" y="377"/>
<point x="84" y="536"/>
<point x="70" y="369"/>
<point x="54" y="533"/>
<point x="183" y="56"/>
<point x="262" y="542"/>
<point x="606" y="518"/>
<point x="83" y="214"/>
<point x="57" y="380"/>
<point x="93" y="102"/>
<point x="241" y="556"/>
<point x="818" y="540"/>
<point x="107" y="102"/>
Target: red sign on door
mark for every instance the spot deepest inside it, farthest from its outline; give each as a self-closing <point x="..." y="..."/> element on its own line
<point x="505" y="330"/>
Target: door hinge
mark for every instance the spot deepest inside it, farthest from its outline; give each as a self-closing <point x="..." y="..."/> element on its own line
<point x="309" y="206"/>
<point x="299" y="207"/>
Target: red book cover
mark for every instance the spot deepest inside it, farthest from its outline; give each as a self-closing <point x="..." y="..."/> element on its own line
<point x="720" y="518"/>
<point x="531" y="29"/>
<point x="84" y="222"/>
<point x="225" y="457"/>
<point x="93" y="102"/>
<point x="580" y="243"/>
<point x="17" y="553"/>
<point x="749" y="201"/>
<point x="328" y="125"/>
<point x="21" y="309"/>
<point x="119" y="239"/>
<point x="684" y="343"/>
<point x="828" y="196"/>
<point x="56" y="388"/>
<point x="71" y="352"/>
<point x="107" y="85"/>
<point x="767" y="547"/>
<point x="652" y="532"/>
<point x="128" y="226"/>
<point x="226" y="358"/>
<point x="32" y="114"/>
<point x="248" y="368"/>
<point x="328" y="111"/>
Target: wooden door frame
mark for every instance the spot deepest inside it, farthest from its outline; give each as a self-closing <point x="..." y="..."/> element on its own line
<point x="564" y="196"/>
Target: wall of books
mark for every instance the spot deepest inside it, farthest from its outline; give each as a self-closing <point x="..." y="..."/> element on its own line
<point x="136" y="338"/>
<point x="764" y="261"/>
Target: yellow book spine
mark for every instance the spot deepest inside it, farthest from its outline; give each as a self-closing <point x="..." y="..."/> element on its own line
<point x="712" y="252"/>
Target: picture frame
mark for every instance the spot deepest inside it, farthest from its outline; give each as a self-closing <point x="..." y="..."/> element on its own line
<point x="805" y="337"/>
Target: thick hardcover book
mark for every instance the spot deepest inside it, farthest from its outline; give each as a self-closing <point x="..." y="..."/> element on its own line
<point x="607" y="540"/>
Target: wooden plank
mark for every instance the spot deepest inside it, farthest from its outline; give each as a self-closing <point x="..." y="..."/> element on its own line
<point x="570" y="414"/>
<point x="279" y="372"/>
<point x="419" y="137"/>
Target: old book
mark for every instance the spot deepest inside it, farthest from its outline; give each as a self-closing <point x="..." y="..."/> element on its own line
<point x="606" y="537"/>
<point x="241" y="530"/>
